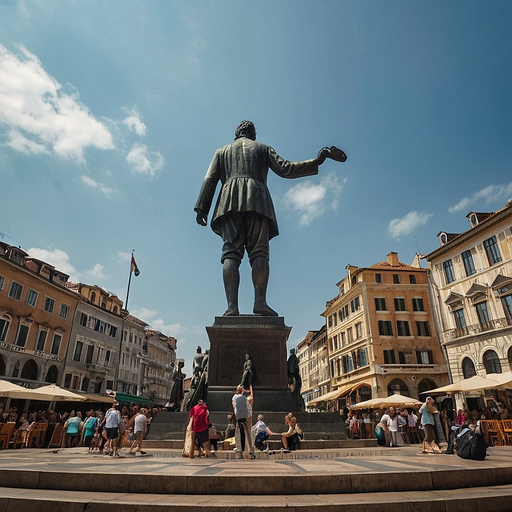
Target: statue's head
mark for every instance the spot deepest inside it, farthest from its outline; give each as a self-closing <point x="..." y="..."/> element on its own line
<point x="245" y="129"/>
<point x="199" y="350"/>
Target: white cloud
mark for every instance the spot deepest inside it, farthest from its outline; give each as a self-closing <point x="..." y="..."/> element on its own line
<point x="60" y="260"/>
<point x="144" y="161"/>
<point x="311" y="200"/>
<point x="86" y="180"/>
<point x="150" y="316"/>
<point x="134" y="123"/>
<point x="39" y="115"/>
<point x="96" y="272"/>
<point x="407" y="224"/>
<point x="489" y="194"/>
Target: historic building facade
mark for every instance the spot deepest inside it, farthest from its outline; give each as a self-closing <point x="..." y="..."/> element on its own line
<point x="313" y="356"/>
<point x="36" y="317"/>
<point x="381" y="335"/>
<point x="133" y="356"/>
<point x="93" y="354"/>
<point x="160" y="363"/>
<point x="471" y="279"/>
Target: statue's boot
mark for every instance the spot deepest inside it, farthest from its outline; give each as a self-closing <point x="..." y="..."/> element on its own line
<point x="231" y="312"/>
<point x="264" y="310"/>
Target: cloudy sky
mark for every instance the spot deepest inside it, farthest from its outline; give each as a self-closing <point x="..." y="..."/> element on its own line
<point x="110" y="113"/>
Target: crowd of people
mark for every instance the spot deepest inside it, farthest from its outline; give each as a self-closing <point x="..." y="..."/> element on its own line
<point x="202" y="436"/>
<point x="429" y="425"/>
<point x="103" y="431"/>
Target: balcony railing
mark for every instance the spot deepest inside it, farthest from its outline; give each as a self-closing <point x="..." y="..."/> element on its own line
<point x="471" y="330"/>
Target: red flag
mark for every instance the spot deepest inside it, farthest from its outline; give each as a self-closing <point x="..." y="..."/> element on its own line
<point x="134" y="267"/>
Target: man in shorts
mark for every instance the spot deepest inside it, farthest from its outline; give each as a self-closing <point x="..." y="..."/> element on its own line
<point x="139" y="424"/>
<point x="112" y="420"/>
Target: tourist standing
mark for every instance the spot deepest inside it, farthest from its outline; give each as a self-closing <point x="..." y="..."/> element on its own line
<point x="112" y="420"/>
<point x="200" y="423"/>
<point x="243" y="410"/>
<point x="139" y="423"/>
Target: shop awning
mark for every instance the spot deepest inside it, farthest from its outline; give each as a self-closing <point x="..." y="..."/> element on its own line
<point x="126" y="398"/>
<point x="332" y="395"/>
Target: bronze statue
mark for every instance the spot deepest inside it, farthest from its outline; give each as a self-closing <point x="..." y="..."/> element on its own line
<point x="177" y="388"/>
<point x="247" y="374"/>
<point x="244" y="215"/>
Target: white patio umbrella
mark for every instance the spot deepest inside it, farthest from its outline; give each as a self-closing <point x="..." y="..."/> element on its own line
<point x="475" y="383"/>
<point x="10" y="390"/>
<point x="395" y="400"/>
<point x="54" y="393"/>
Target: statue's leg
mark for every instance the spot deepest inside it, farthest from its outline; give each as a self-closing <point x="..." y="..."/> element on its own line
<point x="231" y="276"/>
<point x="260" y="275"/>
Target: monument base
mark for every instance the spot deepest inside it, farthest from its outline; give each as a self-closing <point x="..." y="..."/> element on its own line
<point x="264" y="339"/>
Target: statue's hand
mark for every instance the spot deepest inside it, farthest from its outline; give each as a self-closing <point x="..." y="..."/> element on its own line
<point x="201" y="218"/>
<point x="322" y="155"/>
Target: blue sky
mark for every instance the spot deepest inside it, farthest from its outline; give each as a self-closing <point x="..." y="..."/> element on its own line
<point x="110" y="113"/>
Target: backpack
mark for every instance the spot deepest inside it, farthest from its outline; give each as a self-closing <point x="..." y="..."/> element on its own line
<point x="471" y="445"/>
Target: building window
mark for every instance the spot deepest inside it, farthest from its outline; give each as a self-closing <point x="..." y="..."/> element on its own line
<point x="380" y="303"/>
<point x="399" y="304"/>
<point x="460" y="321"/>
<point x="41" y="339"/>
<point x="423" y="328"/>
<point x="15" y="290"/>
<point x="2" y="283"/>
<point x="350" y="335"/>
<point x="67" y="380"/>
<point x="385" y="328"/>
<point x="483" y="315"/>
<point x="378" y="278"/>
<point x="396" y="278"/>
<point x="64" y="311"/>
<point x="32" y="298"/>
<point x="49" y="305"/>
<point x="448" y="271"/>
<point x="107" y="357"/>
<point x="417" y="304"/>
<point x="78" y="350"/>
<point x="469" y="266"/>
<point x="4" y="327"/>
<point x="330" y="321"/>
<point x="424" y="356"/>
<point x="492" y="362"/>
<point x="57" y="338"/>
<point x="492" y="250"/>
<point x="89" y="354"/>
<point x="21" y="338"/>
<point x="389" y="357"/>
<point x="468" y="368"/>
<point x="363" y="357"/>
<point x="506" y="302"/>
<point x="354" y="304"/>
<point x="412" y="279"/>
<point x="359" y="330"/>
<point x="402" y="328"/>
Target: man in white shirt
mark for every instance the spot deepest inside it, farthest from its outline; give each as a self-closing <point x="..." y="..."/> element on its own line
<point x="112" y="420"/>
<point x="241" y="410"/>
<point x="139" y="423"/>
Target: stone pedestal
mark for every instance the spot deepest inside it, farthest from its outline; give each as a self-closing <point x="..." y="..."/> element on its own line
<point x="264" y="339"/>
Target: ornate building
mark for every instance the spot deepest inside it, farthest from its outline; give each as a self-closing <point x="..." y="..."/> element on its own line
<point x="36" y="316"/>
<point x="159" y="365"/>
<point x="93" y="353"/>
<point x="314" y="365"/>
<point x="381" y="336"/>
<point x="471" y="280"/>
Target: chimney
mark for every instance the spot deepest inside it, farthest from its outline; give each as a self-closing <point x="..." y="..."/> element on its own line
<point x="392" y="259"/>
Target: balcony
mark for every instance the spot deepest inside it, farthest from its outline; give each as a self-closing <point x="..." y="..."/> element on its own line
<point x="472" y="330"/>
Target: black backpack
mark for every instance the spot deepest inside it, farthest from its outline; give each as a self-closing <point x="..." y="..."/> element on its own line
<point x="471" y="445"/>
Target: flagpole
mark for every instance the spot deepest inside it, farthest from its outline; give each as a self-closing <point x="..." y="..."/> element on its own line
<point x="129" y="282"/>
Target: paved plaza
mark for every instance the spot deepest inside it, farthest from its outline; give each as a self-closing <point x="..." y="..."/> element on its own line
<point x="344" y="479"/>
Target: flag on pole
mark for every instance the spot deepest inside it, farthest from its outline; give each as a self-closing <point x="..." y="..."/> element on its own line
<point x="134" y="267"/>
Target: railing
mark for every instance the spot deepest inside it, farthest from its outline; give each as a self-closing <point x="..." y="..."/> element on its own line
<point x="471" y="330"/>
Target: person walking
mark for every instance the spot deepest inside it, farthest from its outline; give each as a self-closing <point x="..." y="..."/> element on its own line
<point x="427" y="411"/>
<point x="139" y="423"/>
<point x="112" y="420"/>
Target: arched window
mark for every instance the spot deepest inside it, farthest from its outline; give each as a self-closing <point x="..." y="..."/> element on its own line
<point x="85" y="384"/>
<point x="468" y="368"/>
<point x="398" y="386"/>
<point x="492" y="362"/>
<point x="52" y="375"/>
<point x="425" y="385"/>
<point x="2" y="365"/>
<point x="93" y="297"/>
<point x="29" y="370"/>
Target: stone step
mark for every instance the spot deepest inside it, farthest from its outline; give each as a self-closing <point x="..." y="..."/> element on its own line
<point x="496" y="498"/>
